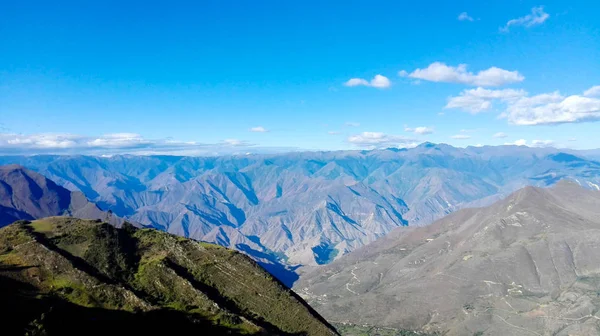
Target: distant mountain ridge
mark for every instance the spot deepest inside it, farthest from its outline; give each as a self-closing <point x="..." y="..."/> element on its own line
<point x="307" y="208"/>
<point x="27" y="195"/>
<point x="527" y="264"/>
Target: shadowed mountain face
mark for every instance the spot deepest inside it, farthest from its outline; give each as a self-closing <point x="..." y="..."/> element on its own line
<point x="25" y="194"/>
<point x="528" y="264"/>
<point x="66" y="276"/>
<point x="307" y="208"/>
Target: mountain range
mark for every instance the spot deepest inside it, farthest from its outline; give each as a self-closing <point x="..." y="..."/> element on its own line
<point x="492" y="264"/>
<point x="526" y="265"/>
<point x="307" y="208"/>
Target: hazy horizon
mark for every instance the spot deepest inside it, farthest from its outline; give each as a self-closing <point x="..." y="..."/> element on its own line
<point x="249" y="150"/>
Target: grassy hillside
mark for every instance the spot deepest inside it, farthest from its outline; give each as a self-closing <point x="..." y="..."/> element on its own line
<point x="62" y="274"/>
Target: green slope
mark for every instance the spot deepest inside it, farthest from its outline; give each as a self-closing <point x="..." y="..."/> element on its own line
<point x="68" y="276"/>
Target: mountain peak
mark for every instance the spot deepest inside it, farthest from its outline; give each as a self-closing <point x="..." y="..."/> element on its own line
<point x="25" y="194"/>
<point x="427" y="144"/>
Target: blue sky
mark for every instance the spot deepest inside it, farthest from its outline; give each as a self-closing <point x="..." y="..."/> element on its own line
<point x="198" y="77"/>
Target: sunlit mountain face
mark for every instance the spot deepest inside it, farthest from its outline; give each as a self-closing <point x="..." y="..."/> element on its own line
<point x="532" y="254"/>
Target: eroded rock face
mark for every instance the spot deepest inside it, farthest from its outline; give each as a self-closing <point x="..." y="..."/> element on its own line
<point x="529" y="264"/>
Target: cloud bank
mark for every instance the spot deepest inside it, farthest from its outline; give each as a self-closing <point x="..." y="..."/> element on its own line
<point x="534" y="143"/>
<point x="374" y="140"/>
<point x="118" y="143"/>
<point x="480" y="99"/>
<point x="523" y="109"/>
<point x="440" y="72"/>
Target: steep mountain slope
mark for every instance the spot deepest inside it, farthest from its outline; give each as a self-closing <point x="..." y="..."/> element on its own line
<point x="65" y="274"/>
<point x="307" y="208"/>
<point x="527" y="265"/>
<point x="25" y="194"/>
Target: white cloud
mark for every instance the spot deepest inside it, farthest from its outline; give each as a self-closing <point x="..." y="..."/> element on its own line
<point x="39" y="141"/>
<point x="423" y="130"/>
<point x="333" y="132"/>
<point x="480" y="99"/>
<point x="235" y="143"/>
<point x="258" y="129"/>
<point x="379" y="139"/>
<point x="464" y="17"/>
<point x="118" y="140"/>
<point x="522" y="109"/>
<point x="544" y="98"/>
<point x="542" y="143"/>
<point x="537" y="17"/>
<point x="572" y="139"/>
<point x="520" y="142"/>
<point x="59" y="143"/>
<point x="440" y="72"/>
<point x="356" y="82"/>
<point x="500" y="135"/>
<point x="534" y="143"/>
<point x="402" y="73"/>
<point x="419" y="130"/>
<point x="352" y="124"/>
<point x="379" y="81"/>
<point x="461" y="137"/>
<point x="553" y="108"/>
<point x="594" y="91"/>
